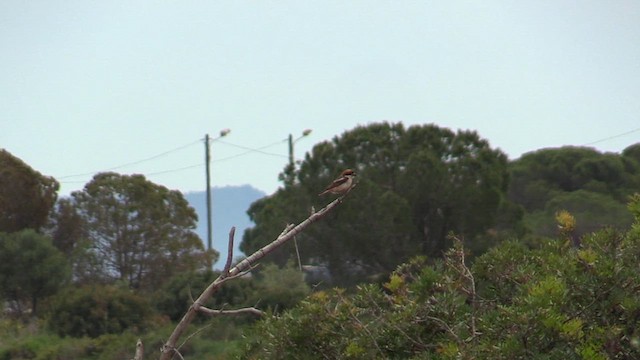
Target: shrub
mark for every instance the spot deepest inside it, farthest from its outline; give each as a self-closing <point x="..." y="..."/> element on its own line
<point x="557" y="300"/>
<point x="96" y="310"/>
<point x="178" y="293"/>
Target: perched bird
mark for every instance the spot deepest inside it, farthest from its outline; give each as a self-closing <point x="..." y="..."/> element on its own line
<point x="340" y="185"/>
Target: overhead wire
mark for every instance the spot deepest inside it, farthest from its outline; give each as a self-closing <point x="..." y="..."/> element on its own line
<point x="134" y="162"/>
<point x="175" y="170"/>
<point x="249" y="150"/>
<point x="612" y="137"/>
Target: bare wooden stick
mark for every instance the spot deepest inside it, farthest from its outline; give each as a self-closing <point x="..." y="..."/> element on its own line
<point x="295" y="242"/>
<point x="227" y="265"/>
<point x="247" y="310"/>
<point x="139" y="350"/>
<point x="168" y="349"/>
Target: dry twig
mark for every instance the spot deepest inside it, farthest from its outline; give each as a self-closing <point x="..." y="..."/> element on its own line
<point x="248" y="310"/>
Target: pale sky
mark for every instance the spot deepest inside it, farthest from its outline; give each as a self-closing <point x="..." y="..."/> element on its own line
<point x="88" y="86"/>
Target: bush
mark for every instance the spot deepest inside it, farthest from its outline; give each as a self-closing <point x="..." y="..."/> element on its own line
<point x="553" y="301"/>
<point x="175" y="297"/>
<point x="96" y="310"/>
<point x="278" y="288"/>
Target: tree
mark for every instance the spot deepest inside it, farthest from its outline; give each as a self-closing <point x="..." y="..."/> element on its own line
<point x="632" y="152"/>
<point x="31" y="268"/>
<point x="70" y="235"/>
<point x="66" y="227"/>
<point x="593" y="211"/>
<point x="140" y="232"/>
<point x="415" y="184"/>
<point x="592" y="185"/>
<point x="26" y="196"/>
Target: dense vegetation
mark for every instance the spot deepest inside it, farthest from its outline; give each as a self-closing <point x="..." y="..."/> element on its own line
<point x="550" y="300"/>
<point x="415" y="186"/>
<point x="444" y="250"/>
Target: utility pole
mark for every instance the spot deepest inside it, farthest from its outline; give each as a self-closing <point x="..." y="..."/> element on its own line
<point x="291" y="151"/>
<point x="290" y="173"/>
<point x="207" y="160"/>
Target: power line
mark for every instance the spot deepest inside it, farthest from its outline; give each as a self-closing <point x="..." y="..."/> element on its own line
<point x="250" y="150"/>
<point x="612" y="137"/>
<point x="174" y="170"/>
<point x="148" y="174"/>
<point x="134" y="162"/>
<point x="161" y="172"/>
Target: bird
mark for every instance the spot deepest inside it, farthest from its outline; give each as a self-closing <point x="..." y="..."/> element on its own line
<point x="342" y="184"/>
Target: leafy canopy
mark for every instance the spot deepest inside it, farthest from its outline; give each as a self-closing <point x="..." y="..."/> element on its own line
<point x="31" y="268"/>
<point x="26" y="196"/>
<point x="415" y="185"/>
<point x="593" y="186"/>
<point x="139" y="232"/>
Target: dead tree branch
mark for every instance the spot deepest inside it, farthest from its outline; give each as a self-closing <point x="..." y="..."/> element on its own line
<point x="227" y="265"/>
<point x="458" y="263"/>
<point x="248" y="310"/>
<point x="168" y="349"/>
<point x="139" y="350"/>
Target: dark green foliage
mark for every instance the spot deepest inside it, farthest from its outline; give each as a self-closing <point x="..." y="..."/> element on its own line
<point x="26" y="196"/>
<point x="593" y="186"/>
<point x="67" y="231"/>
<point x="632" y="153"/>
<point x="96" y="310"/>
<point x="593" y="211"/>
<point x="19" y="341"/>
<point x="549" y="301"/>
<point x="178" y="293"/>
<point x="415" y="313"/>
<point x="269" y="288"/>
<point x="31" y="268"/>
<point x="138" y="232"/>
<point x="415" y="185"/>
<point x="564" y="170"/>
<point x="278" y="289"/>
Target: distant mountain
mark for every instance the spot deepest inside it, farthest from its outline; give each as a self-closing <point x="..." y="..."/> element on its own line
<point x="230" y="205"/>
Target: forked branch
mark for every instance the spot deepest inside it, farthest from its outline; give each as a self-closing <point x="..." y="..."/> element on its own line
<point x="169" y="348"/>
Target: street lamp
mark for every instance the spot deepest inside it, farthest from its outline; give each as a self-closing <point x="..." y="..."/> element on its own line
<point x="290" y="170"/>
<point x="207" y="143"/>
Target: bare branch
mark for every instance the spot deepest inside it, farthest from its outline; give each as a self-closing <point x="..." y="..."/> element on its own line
<point x="194" y="334"/>
<point x="247" y="310"/>
<point x="286" y="230"/>
<point x="242" y="267"/>
<point x="139" y="350"/>
<point x="445" y="327"/>
<point x="227" y="265"/>
<point x="458" y="263"/>
<point x="170" y="351"/>
<point x="178" y="353"/>
<point x="224" y="280"/>
<point x="295" y="242"/>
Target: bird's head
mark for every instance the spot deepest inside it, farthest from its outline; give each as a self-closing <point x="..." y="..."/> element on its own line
<point x="348" y="172"/>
